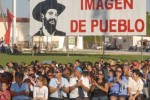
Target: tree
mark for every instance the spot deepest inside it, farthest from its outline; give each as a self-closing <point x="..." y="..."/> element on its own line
<point x="148" y="23"/>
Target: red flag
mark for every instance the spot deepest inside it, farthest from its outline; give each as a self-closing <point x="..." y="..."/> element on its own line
<point x="9" y="20"/>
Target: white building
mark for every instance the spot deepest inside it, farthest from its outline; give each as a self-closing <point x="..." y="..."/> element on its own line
<point x="127" y="41"/>
<point x="23" y="38"/>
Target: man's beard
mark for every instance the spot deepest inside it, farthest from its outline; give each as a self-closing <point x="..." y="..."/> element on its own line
<point x="50" y="27"/>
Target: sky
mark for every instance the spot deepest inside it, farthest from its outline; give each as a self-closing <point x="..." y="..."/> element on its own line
<point x="23" y="7"/>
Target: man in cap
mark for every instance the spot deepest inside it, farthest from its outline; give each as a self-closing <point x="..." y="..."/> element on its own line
<point x="79" y="86"/>
<point x="47" y="12"/>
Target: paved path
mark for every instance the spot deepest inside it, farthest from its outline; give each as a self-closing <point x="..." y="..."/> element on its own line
<point x="112" y="52"/>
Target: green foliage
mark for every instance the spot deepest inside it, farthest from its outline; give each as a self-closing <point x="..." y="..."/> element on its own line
<point x="92" y="39"/>
<point x="148" y="24"/>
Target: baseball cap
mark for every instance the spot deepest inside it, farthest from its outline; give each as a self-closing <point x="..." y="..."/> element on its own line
<point x="79" y="69"/>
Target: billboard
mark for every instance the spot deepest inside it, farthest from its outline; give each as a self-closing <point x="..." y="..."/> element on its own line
<point x="87" y="17"/>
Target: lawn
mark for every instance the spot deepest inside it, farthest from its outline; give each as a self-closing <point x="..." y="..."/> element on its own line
<point x="63" y="58"/>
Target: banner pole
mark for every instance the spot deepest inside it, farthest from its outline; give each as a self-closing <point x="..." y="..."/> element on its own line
<point x="142" y="48"/>
<point x="47" y="44"/>
<point x="100" y="43"/>
<point x="103" y="42"/>
<point x="67" y="46"/>
<point x="32" y="46"/>
<point x="14" y="23"/>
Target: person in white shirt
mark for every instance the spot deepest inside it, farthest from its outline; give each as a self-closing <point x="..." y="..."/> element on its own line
<point x="135" y="86"/>
<point x="58" y="86"/>
<point x="40" y="91"/>
<point x="79" y="86"/>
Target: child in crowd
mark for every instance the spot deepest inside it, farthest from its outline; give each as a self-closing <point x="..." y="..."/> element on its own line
<point x="32" y="79"/>
<point x="40" y="90"/>
<point x="4" y="93"/>
<point x="30" y="86"/>
<point x="110" y="75"/>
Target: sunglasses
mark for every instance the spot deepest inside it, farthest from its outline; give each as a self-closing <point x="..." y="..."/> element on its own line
<point x="100" y="74"/>
<point x="56" y="72"/>
<point x="118" y="71"/>
<point x="50" y="75"/>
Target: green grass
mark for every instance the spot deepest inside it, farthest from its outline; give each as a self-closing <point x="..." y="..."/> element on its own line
<point x="63" y="58"/>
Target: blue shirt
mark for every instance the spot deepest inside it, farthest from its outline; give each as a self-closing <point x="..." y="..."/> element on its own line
<point x="120" y="89"/>
<point x="54" y="83"/>
<point x="16" y="88"/>
<point x="110" y="79"/>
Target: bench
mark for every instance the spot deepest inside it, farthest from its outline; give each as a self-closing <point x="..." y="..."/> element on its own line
<point x="26" y="50"/>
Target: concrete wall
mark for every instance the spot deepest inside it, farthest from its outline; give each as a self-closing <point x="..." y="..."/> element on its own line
<point x="2" y="29"/>
<point x="22" y="31"/>
<point x="127" y="41"/>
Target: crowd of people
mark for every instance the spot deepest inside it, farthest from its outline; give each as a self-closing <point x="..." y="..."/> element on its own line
<point x="81" y="80"/>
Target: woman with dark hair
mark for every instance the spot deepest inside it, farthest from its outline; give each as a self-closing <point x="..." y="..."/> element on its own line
<point x="100" y="87"/>
<point x="118" y="87"/>
<point x="49" y="76"/>
<point x="19" y="90"/>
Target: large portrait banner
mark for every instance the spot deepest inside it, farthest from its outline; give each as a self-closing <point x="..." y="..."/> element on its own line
<point x="87" y="17"/>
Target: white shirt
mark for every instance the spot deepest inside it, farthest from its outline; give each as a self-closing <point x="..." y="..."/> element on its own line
<point x="40" y="92"/>
<point x="135" y="86"/>
<point x="73" y="81"/>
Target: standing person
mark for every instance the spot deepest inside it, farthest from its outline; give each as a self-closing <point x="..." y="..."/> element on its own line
<point x="40" y="91"/>
<point x="118" y="88"/>
<point x="35" y="48"/>
<point x="19" y="90"/>
<point x="58" y="86"/>
<point x="79" y="86"/>
<point x="4" y="93"/>
<point x="135" y="86"/>
<point x="100" y="87"/>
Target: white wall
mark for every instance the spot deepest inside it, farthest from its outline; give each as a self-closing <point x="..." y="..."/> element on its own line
<point x="22" y="31"/>
<point x="2" y="29"/>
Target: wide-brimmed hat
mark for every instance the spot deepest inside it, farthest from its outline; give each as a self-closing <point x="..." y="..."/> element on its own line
<point x="43" y="6"/>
